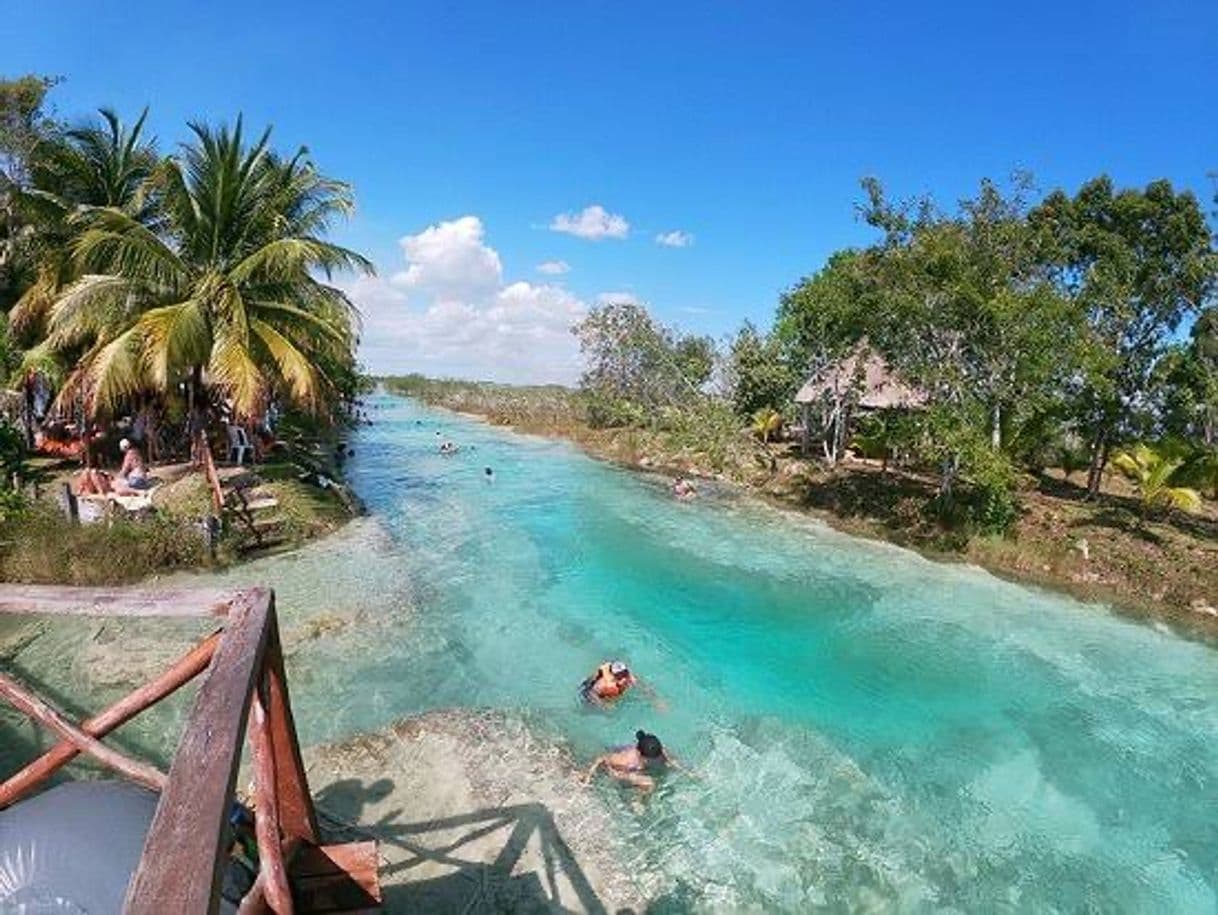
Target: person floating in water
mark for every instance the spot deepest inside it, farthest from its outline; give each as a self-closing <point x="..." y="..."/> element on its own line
<point x="449" y="447"/>
<point x="610" y="682"/>
<point x="635" y="765"/>
<point x="489" y="475"/>
<point x="683" y="489"/>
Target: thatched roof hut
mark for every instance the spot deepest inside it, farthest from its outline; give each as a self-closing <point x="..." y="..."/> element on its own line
<point x="878" y="386"/>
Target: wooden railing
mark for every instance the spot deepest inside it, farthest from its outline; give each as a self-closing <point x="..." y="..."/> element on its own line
<point x="244" y="693"/>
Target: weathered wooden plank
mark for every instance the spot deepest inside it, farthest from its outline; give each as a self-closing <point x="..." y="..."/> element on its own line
<point x="66" y="600"/>
<point x="185" y="669"/>
<point x="266" y="812"/>
<point x="297" y="816"/>
<point x="180" y="868"/>
<point x="42" y="712"/>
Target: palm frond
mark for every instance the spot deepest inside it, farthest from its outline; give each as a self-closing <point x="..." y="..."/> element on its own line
<point x="94" y="306"/>
<point x="234" y="373"/>
<point x="114" y="372"/>
<point x="176" y="338"/>
<point x="290" y="258"/>
<point x="112" y="241"/>
<point x="294" y="367"/>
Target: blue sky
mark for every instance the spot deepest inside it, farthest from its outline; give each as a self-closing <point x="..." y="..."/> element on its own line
<point x="744" y="125"/>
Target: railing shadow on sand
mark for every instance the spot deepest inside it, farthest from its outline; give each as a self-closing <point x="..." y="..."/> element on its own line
<point x="460" y="844"/>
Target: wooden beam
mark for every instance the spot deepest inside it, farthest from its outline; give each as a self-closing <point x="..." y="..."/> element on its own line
<point x="266" y="812"/>
<point x="42" y="712"/>
<point x="297" y="816"/>
<point x="185" y="669"/>
<point x="74" y="601"/>
<point x="181" y="864"/>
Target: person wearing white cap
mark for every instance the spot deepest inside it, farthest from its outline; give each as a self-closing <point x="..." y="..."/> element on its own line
<point x="610" y="682"/>
<point x="132" y="474"/>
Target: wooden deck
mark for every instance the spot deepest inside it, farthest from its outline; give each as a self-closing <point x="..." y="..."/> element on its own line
<point x="244" y="694"/>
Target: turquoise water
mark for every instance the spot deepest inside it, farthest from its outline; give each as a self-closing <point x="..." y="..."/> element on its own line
<point x="875" y="732"/>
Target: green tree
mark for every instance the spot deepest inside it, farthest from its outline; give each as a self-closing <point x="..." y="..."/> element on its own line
<point x="1135" y="263"/>
<point x="1188" y="377"/>
<point x="635" y="366"/>
<point x="959" y="305"/>
<point x="824" y="317"/>
<point x="759" y="370"/>
<point x="224" y="298"/>
<point x="23" y="126"/>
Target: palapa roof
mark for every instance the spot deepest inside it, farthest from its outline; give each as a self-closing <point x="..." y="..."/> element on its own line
<point x="879" y="386"/>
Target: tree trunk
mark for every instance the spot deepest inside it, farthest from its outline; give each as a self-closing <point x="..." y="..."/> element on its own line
<point x="842" y="430"/>
<point x="1099" y="459"/>
<point x="200" y="447"/>
<point x="829" y="436"/>
<point x="947" y="479"/>
<point x="806" y="439"/>
<point x="209" y="469"/>
<point x="996" y="427"/>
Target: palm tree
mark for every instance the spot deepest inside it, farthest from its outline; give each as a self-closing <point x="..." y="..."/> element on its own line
<point x="221" y="296"/>
<point x="766" y="423"/>
<point x="104" y="164"/>
<point x="1152" y="474"/>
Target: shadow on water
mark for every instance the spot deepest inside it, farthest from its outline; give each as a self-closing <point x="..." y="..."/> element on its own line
<point x="484" y="855"/>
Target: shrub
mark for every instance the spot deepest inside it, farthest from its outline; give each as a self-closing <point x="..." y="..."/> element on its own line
<point x="43" y="546"/>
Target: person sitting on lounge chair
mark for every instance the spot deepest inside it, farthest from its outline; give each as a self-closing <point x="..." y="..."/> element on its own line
<point x="133" y="473"/>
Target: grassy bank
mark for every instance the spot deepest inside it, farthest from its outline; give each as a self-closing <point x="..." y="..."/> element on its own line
<point x="1103" y="549"/>
<point x="38" y="544"/>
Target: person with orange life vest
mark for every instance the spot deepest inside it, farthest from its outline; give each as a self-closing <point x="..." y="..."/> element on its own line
<point x="610" y="682"/>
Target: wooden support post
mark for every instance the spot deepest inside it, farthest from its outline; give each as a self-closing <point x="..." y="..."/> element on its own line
<point x="185" y="669"/>
<point x="266" y="812"/>
<point x="42" y="712"/>
<point x="71" y="508"/>
<point x="297" y="816"/>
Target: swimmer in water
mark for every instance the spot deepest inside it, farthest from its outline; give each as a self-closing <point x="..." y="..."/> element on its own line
<point x="610" y="682"/>
<point x="636" y="765"/>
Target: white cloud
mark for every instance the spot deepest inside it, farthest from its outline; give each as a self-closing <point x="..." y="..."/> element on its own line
<point x="593" y="223"/>
<point x="450" y="313"/>
<point x="675" y="239"/>
<point x="554" y="268"/>
<point x="449" y="259"/>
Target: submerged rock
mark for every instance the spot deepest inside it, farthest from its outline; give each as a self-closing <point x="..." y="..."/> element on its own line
<point x="474" y="813"/>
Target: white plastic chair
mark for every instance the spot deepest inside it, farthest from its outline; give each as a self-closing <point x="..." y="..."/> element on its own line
<point x="238" y="445"/>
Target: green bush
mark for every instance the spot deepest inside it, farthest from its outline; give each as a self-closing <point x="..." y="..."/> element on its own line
<point x="606" y="412"/>
<point x="13" y="505"/>
<point x="42" y="546"/>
